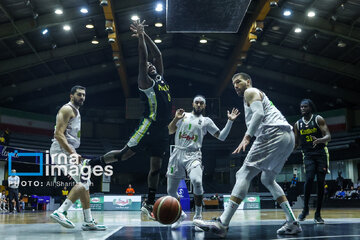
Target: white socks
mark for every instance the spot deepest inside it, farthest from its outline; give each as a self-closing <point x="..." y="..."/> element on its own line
<point x="290" y="217"/>
<point x="229" y="212"/>
<point x="65" y="206"/>
<point x="87" y="215"/>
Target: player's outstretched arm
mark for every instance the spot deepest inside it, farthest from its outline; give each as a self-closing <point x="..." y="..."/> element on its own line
<point x="156" y="54"/>
<point x="222" y="135"/>
<point x="144" y="81"/>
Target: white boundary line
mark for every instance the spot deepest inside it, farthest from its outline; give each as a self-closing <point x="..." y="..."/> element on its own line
<point x="112" y="232"/>
<point x="336" y="236"/>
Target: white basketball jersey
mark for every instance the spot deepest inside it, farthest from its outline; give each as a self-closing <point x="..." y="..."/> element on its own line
<point x="73" y="129"/>
<point x="191" y="131"/>
<point x="272" y="116"/>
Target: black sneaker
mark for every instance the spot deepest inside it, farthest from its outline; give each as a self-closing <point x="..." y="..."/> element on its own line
<point x="303" y="215"/>
<point x="147" y="209"/>
<point x="318" y="219"/>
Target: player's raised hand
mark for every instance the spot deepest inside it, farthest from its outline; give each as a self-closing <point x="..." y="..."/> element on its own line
<point x="180" y="113"/>
<point x="137" y="27"/>
<point x="233" y="115"/>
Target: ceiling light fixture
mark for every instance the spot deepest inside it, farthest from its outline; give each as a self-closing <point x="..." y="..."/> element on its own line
<point x="311" y="14"/>
<point x="158" y="39"/>
<point x="67" y="27"/>
<point x="203" y="40"/>
<point x="159" y="7"/>
<point x="89" y="25"/>
<point x="275" y="28"/>
<point x="158" y="24"/>
<point x="20" y="41"/>
<point x="84" y="10"/>
<point x="95" y="40"/>
<point x="287" y="13"/>
<point x="45" y="31"/>
<point x="104" y="3"/>
<point x="298" y="30"/>
<point x="341" y="44"/>
<point x="58" y="11"/>
<point x="135" y="17"/>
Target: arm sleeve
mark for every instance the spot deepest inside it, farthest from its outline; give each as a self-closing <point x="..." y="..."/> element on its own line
<point x="225" y="131"/>
<point x="258" y="115"/>
<point x="211" y="127"/>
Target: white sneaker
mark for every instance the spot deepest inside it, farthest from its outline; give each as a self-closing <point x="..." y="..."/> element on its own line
<point x="178" y="222"/>
<point x="92" y="226"/>
<point x="198" y="217"/>
<point x="289" y="228"/>
<point x="147" y="209"/>
<point x="60" y="217"/>
<point x="215" y="226"/>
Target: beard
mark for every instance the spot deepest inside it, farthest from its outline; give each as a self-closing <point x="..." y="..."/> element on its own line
<point x="78" y="103"/>
<point x="198" y="112"/>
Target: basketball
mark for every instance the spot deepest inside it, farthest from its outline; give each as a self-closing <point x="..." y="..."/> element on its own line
<point x="167" y="210"/>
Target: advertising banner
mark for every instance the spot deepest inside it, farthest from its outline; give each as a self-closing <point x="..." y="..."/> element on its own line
<point x="250" y="202"/>
<point x="122" y="203"/>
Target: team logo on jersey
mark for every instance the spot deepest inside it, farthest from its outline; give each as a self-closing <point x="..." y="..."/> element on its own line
<point x="188" y="137"/>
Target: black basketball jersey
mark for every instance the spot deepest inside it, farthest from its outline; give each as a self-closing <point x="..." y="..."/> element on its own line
<point x="157" y="101"/>
<point x="306" y="130"/>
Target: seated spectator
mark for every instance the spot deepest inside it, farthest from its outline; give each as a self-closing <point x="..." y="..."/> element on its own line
<point x="357" y="184"/>
<point x="21" y="201"/>
<point x="353" y="194"/>
<point x="349" y="184"/>
<point x="215" y="197"/>
<point x="5" y="137"/>
<point x="130" y="191"/>
<point x="3" y="201"/>
<point x="340" y="194"/>
<point x="294" y="181"/>
<point x="326" y="191"/>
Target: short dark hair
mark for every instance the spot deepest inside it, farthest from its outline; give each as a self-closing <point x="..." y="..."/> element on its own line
<point x="243" y="75"/>
<point x="75" y="88"/>
<point x="310" y="103"/>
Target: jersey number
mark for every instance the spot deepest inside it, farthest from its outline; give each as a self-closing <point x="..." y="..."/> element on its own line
<point x="309" y="139"/>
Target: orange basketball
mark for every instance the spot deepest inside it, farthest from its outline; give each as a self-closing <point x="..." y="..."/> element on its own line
<point x="167" y="210"/>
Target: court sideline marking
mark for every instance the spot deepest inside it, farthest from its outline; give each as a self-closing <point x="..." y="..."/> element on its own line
<point x="112" y="232"/>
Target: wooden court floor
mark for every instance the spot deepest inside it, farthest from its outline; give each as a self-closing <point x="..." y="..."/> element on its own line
<point x="246" y="224"/>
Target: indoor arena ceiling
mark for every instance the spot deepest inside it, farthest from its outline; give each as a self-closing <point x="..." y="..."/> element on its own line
<point x="298" y="54"/>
